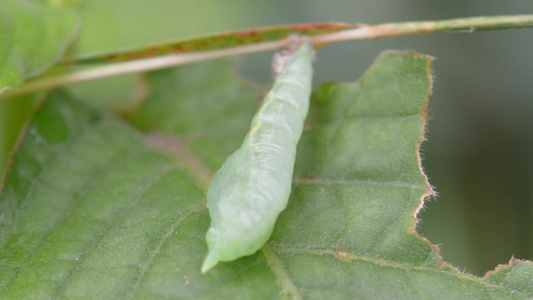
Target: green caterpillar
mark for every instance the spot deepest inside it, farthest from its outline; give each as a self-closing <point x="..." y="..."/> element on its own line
<point x="253" y="186"/>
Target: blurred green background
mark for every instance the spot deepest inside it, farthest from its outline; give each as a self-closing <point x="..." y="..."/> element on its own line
<point x="479" y="153"/>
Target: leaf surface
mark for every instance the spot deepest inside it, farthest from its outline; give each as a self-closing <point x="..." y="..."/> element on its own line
<point x="34" y="36"/>
<point x="94" y="208"/>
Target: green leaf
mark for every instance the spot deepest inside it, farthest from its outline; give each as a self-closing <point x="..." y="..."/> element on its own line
<point x="95" y="209"/>
<point x="33" y="37"/>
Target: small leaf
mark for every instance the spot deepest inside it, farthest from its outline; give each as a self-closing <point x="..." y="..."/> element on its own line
<point x="95" y="209"/>
<point x="33" y="37"/>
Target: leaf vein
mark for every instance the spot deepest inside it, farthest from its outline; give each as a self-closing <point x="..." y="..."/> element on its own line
<point x="380" y="262"/>
<point x="173" y="145"/>
<point x="107" y="226"/>
<point x="90" y="184"/>
<point x="325" y="181"/>
<point x="153" y="254"/>
<point x="342" y="119"/>
<point x="375" y="260"/>
<point x="279" y="270"/>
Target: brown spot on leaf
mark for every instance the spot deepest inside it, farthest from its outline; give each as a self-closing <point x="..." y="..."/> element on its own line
<point x="344" y="255"/>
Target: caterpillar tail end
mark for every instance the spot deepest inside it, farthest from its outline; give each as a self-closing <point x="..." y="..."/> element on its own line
<point x="210" y="261"/>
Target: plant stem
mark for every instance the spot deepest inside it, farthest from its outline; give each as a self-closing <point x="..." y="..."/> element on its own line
<point x="409" y="28"/>
<point x="358" y="33"/>
<point x="136" y="66"/>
